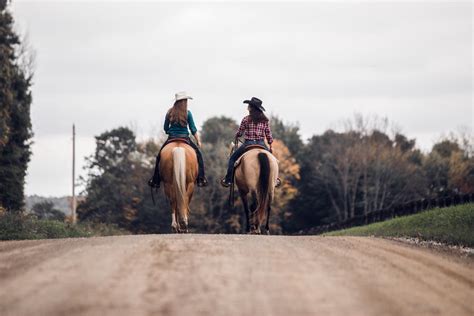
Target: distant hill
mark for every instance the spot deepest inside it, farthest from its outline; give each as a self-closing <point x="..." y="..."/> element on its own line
<point x="61" y="203"/>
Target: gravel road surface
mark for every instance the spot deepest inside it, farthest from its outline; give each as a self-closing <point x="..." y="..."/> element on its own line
<point x="231" y="275"/>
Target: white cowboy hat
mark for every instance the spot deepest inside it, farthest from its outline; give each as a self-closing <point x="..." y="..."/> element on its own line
<point x="182" y="96"/>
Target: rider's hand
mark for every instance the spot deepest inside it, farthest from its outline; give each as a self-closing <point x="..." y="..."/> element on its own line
<point x="198" y="140"/>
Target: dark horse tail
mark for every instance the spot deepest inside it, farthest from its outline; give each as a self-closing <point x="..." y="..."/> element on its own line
<point x="264" y="186"/>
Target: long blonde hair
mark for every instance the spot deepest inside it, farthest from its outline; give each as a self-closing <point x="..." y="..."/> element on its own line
<point x="179" y="113"/>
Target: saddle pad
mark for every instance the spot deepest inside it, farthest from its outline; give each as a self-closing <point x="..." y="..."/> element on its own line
<point x="247" y="149"/>
<point x="237" y="163"/>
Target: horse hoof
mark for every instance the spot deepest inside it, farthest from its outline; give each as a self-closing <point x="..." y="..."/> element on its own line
<point x="267" y="232"/>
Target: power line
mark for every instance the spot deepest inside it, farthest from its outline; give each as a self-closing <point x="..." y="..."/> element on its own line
<point x="73" y="203"/>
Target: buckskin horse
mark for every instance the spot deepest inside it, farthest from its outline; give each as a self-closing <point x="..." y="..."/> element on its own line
<point x="256" y="174"/>
<point x="179" y="171"/>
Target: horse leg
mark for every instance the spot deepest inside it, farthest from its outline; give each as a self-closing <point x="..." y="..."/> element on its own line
<point x="174" y="222"/>
<point x="255" y="226"/>
<point x="245" y="202"/>
<point x="189" y="197"/>
<point x="267" y="227"/>
<point x="185" y="223"/>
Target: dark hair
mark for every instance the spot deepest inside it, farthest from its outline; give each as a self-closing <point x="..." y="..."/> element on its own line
<point x="179" y="113"/>
<point x="256" y="115"/>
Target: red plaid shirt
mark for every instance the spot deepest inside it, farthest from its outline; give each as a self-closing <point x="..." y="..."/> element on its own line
<point x="255" y="131"/>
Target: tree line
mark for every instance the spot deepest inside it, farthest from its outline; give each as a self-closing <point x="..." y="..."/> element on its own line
<point x="331" y="178"/>
<point x="116" y="190"/>
<point x="16" y="73"/>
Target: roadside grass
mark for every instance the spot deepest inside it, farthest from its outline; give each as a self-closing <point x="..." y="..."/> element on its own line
<point x="451" y="225"/>
<point x="22" y="227"/>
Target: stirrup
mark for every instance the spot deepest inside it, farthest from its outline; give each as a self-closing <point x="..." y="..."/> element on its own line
<point x="225" y="183"/>
<point x="153" y="184"/>
<point x="278" y="183"/>
<point x="202" y="182"/>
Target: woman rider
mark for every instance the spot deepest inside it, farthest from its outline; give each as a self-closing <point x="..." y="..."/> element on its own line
<point x="256" y="128"/>
<point x="177" y="121"/>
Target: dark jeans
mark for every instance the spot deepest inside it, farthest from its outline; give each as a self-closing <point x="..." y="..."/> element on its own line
<point x="201" y="173"/>
<point x="238" y="153"/>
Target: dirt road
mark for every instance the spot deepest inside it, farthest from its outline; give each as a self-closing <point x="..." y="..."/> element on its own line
<point x="230" y="275"/>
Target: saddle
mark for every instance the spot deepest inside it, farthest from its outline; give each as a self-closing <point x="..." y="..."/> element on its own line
<point x="250" y="147"/>
<point x="178" y="140"/>
<point x="247" y="149"/>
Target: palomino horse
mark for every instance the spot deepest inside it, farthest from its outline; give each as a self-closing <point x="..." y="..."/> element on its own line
<point x="179" y="171"/>
<point x="256" y="175"/>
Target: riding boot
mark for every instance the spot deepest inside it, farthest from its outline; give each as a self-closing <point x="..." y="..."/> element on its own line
<point x="201" y="181"/>
<point x="227" y="181"/>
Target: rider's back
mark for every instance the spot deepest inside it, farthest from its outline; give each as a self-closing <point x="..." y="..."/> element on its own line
<point x="174" y="129"/>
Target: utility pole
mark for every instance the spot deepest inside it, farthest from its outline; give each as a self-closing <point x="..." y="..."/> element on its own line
<point x="73" y="202"/>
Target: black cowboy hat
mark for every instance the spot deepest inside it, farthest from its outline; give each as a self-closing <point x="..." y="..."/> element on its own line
<point x="256" y="102"/>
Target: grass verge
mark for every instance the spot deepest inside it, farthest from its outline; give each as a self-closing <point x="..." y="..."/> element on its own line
<point x="451" y="225"/>
<point x="21" y="227"/>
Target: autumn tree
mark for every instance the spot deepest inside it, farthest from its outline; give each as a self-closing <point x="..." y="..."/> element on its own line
<point x="219" y="130"/>
<point x="112" y="188"/>
<point x="449" y="167"/>
<point x="288" y="133"/>
<point x="149" y="217"/>
<point x="210" y="208"/>
<point x="289" y="171"/>
<point x="357" y="171"/>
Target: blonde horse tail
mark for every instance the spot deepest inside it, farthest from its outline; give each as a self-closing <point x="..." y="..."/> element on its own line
<point x="263" y="194"/>
<point x="179" y="181"/>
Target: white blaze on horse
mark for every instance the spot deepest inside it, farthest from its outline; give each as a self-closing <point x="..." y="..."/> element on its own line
<point x="179" y="171"/>
<point x="256" y="176"/>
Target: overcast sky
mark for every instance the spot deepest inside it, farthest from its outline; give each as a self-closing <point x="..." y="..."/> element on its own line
<point x="102" y="65"/>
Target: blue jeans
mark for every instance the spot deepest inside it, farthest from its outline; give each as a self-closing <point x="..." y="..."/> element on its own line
<point x="238" y="153"/>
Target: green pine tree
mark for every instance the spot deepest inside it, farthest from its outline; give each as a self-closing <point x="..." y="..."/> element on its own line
<point x="15" y="121"/>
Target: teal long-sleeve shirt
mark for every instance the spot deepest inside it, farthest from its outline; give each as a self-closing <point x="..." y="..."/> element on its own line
<point x="173" y="129"/>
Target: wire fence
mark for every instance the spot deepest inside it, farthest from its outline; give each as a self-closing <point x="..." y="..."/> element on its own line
<point x="399" y="210"/>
